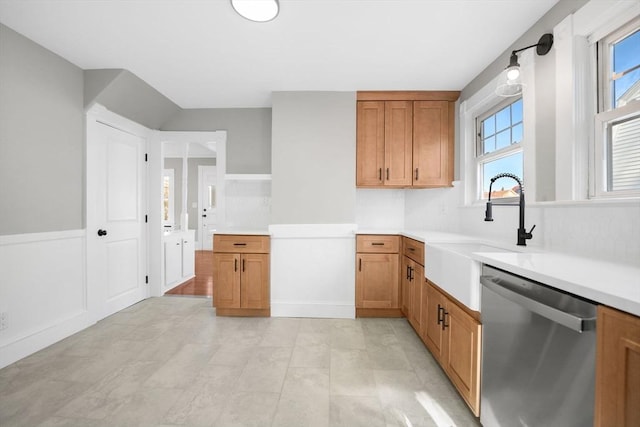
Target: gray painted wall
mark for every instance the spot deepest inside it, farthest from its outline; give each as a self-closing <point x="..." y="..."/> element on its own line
<point x="313" y="158"/>
<point x="248" y="134"/>
<point x="129" y="96"/>
<point x="545" y="69"/>
<point x="41" y="139"/>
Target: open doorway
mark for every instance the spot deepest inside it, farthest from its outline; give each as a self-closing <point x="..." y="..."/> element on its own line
<point x="190" y="176"/>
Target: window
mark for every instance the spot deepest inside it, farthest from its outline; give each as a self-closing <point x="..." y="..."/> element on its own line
<point x="168" y="199"/>
<point x="499" y="149"/>
<point x="617" y="157"/>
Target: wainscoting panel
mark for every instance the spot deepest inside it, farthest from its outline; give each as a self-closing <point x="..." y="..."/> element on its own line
<point x="43" y="293"/>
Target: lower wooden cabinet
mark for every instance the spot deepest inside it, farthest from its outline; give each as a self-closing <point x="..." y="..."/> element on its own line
<point x="240" y="278"/>
<point x="412" y="285"/>
<point x="377" y="276"/>
<point x="412" y="281"/>
<point x="617" y="369"/>
<point x="454" y="337"/>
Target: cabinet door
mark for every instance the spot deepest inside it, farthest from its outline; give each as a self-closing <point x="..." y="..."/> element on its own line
<point x="432" y="144"/>
<point x="188" y="258"/>
<point x="398" y="131"/>
<point x="415" y="299"/>
<point x="617" y="369"/>
<point x="370" y="143"/>
<point x="377" y="281"/>
<point x="172" y="261"/>
<point x="405" y="292"/>
<point x="226" y="280"/>
<point x="432" y="331"/>
<point x="254" y="282"/>
<point x="461" y="355"/>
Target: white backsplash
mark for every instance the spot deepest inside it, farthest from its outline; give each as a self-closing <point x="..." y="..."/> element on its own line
<point x="380" y="208"/>
<point x="608" y="231"/>
<point x="248" y="204"/>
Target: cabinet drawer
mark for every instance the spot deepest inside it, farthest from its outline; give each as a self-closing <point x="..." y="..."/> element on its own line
<point x="240" y="243"/>
<point x="374" y="243"/>
<point x="414" y="250"/>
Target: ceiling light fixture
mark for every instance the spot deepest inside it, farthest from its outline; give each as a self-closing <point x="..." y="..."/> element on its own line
<point x="509" y="83"/>
<point x="256" y="10"/>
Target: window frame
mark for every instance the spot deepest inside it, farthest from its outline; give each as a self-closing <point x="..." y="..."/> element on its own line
<point x="482" y="159"/>
<point x="607" y="115"/>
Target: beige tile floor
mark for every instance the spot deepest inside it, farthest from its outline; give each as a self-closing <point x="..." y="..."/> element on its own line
<point x="170" y="362"/>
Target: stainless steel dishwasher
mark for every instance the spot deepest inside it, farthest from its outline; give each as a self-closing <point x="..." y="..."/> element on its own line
<point x="538" y="354"/>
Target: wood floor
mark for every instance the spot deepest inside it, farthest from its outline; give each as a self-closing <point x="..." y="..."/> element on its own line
<point x="202" y="284"/>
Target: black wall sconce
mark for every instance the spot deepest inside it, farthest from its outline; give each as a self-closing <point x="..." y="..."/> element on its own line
<point x="510" y="83"/>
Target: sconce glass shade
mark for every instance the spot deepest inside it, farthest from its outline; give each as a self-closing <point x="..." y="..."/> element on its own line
<point x="509" y="86"/>
<point x="257" y="10"/>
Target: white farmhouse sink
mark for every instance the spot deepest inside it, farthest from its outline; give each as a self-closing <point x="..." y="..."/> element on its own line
<point x="451" y="266"/>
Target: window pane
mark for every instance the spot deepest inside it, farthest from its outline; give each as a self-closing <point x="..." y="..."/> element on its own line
<point x="503" y="139"/>
<point x="626" y="56"/>
<point x="497" y="128"/>
<point x="627" y="88"/>
<point x="489" y="145"/>
<point x="626" y="53"/>
<point x="503" y="187"/>
<point x="503" y="119"/>
<point x="516" y="134"/>
<point x="516" y="111"/>
<point x="489" y="126"/>
<point x="624" y="159"/>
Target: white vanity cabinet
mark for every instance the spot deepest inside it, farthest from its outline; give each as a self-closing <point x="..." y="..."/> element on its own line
<point x="179" y="257"/>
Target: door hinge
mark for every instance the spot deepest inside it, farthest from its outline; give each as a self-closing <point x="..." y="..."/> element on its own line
<point x="146" y="279"/>
<point x="146" y="158"/>
<point x="146" y="218"/>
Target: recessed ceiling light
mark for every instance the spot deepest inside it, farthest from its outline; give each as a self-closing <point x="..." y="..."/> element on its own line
<point x="257" y="10"/>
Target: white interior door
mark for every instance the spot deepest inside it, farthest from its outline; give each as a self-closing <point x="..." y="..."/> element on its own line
<point x="116" y="237"/>
<point x="207" y="206"/>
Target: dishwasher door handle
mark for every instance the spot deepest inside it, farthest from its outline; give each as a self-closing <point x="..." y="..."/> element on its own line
<point x="571" y="321"/>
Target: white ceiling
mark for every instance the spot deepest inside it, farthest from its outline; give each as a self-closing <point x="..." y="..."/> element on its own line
<point x="200" y="54"/>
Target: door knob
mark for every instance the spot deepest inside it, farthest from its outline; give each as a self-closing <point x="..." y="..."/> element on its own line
<point x="102" y="232"/>
<point x="204" y="216"/>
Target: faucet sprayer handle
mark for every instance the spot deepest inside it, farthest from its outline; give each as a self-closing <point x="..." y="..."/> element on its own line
<point x="529" y="234"/>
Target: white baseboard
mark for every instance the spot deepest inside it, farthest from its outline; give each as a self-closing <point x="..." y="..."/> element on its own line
<point x="333" y="311"/>
<point x="29" y="344"/>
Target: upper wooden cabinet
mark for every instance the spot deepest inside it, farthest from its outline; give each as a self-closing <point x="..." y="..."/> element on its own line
<point x="405" y="139"/>
<point x="432" y="143"/>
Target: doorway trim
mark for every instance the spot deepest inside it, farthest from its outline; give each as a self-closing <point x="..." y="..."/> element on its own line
<point x="156" y="165"/>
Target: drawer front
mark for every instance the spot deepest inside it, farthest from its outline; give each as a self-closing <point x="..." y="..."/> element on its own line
<point x="414" y="250"/>
<point x="374" y="243"/>
<point x="238" y="243"/>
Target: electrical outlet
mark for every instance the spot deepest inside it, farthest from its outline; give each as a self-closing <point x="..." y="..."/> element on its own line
<point x="3" y="321"/>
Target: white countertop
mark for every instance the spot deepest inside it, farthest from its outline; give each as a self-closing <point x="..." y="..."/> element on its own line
<point x="244" y="231"/>
<point x="615" y="285"/>
<point x="612" y="284"/>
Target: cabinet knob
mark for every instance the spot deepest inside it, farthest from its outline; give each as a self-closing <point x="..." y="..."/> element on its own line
<point x="102" y="232"/>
